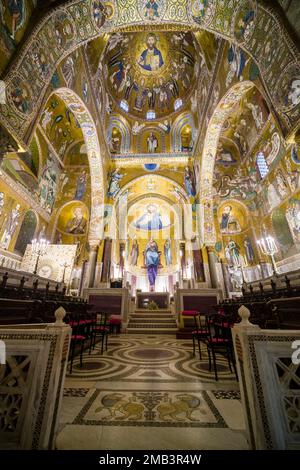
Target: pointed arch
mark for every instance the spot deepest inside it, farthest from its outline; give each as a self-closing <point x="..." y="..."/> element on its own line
<point x="185" y="119"/>
<point x="69" y="25"/>
<point x="122" y="125"/>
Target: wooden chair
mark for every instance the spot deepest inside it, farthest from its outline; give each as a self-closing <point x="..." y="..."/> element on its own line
<point x="77" y="338"/>
<point x="200" y="333"/>
<point x="219" y="341"/>
<point x="101" y="330"/>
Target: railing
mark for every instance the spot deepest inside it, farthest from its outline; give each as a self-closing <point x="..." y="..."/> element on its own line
<point x="268" y="368"/>
<point x="10" y="260"/>
<point x="31" y="383"/>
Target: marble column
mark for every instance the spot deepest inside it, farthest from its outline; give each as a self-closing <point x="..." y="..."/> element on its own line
<point x="212" y="260"/>
<point x="92" y="264"/>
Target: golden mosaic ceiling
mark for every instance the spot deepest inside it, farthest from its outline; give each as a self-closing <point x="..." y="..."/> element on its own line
<point x="151" y="71"/>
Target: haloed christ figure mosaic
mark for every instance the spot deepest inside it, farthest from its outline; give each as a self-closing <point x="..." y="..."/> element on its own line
<point x="152" y="262"/>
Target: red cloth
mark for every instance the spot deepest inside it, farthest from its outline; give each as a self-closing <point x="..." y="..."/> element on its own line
<point x="189" y="313"/>
<point x="115" y="321"/>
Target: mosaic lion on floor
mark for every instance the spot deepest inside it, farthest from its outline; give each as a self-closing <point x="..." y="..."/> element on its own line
<point x="116" y="402"/>
<point x="185" y="404"/>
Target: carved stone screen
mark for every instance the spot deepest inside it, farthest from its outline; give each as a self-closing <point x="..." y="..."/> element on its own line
<point x="56" y="264"/>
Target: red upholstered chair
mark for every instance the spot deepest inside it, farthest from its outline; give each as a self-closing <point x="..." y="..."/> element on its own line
<point x="220" y="342"/>
<point x="189" y="313"/>
<point x="200" y="333"/>
<point x="77" y="338"/>
<point x="101" y="330"/>
<point x="115" y="324"/>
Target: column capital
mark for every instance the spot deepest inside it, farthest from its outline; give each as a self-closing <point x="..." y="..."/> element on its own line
<point x="94" y="246"/>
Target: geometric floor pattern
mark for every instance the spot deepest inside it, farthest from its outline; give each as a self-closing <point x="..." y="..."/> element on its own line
<point x="150" y="359"/>
<point x="142" y="391"/>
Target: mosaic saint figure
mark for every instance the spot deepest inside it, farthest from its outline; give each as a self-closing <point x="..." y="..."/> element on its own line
<point x="232" y="253"/>
<point x="10" y="227"/>
<point x="281" y="184"/>
<point x="152" y="143"/>
<point x="134" y="254"/>
<point x="151" y="10"/>
<point x="47" y="185"/>
<point x="20" y="98"/>
<point x="16" y="9"/>
<point x="273" y="196"/>
<point x="249" y="250"/>
<point x="98" y="12"/>
<point x="293" y="98"/>
<point x="228" y="223"/>
<point x="150" y="220"/>
<point x="167" y="252"/>
<point x="81" y="186"/>
<point x="77" y="224"/>
<point x="2" y="201"/>
<point x="189" y="182"/>
<point x="293" y="219"/>
<point x="114" y="186"/>
<point x="245" y="24"/>
<point x="151" y="58"/>
<point x="202" y="7"/>
<point x="42" y="233"/>
<point x="152" y="262"/>
<point x="237" y="63"/>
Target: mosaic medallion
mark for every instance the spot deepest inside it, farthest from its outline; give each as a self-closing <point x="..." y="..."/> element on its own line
<point x="244" y="21"/>
<point x="65" y="32"/>
<point x="288" y="89"/>
<point x="203" y="11"/>
<point x="151" y="10"/>
<point x="21" y="96"/>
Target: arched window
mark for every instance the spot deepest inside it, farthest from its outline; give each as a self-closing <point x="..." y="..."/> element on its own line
<point x="177" y="104"/>
<point x="151" y="115"/>
<point x="262" y="165"/>
<point x="124" y="106"/>
<point x="26" y="233"/>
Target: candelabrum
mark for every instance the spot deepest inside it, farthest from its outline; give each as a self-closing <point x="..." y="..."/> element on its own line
<point x="65" y="266"/>
<point x="39" y="248"/>
<point x="268" y="247"/>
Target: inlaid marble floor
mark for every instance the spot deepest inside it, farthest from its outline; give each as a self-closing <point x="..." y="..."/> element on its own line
<point x="149" y="392"/>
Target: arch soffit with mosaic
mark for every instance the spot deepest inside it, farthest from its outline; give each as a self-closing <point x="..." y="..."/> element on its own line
<point x="72" y="24"/>
<point x="221" y="113"/>
<point x="159" y="176"/>
<point x="90" y="137"/>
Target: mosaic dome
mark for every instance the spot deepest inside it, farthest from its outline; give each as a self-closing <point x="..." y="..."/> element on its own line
<point x="151" y="71"/>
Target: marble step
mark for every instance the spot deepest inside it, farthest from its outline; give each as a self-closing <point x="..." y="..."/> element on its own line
<point x="151" y="320"/>
<point x="153" y="315"/>
<point x="169" y="318"/>
<point x="151" y="331"/>
<point x="158" y="311"/>
<point x="152" y="325"/>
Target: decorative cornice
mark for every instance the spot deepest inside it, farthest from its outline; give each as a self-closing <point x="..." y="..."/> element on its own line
<point x="24" y="194"/>
<point x="144" y="158"/>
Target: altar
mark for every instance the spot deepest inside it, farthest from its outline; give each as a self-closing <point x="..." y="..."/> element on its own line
<point x="144" y="299"/>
